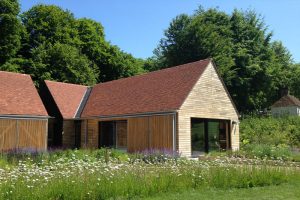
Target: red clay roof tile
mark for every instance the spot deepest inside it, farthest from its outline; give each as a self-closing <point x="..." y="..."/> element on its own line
<point x="18" y="96"/>
<point x="159" y="91"/>
<point x="67" y="97"/>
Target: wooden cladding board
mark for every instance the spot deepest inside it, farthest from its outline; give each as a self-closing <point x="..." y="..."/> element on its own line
<point x="92" y="137"/>
<point x="23" y="134"/>
<point x="68" y="137"/>
<point x="121" y="134"/>
<point x="151" y="132"/>
<point x="138" y="134"/>
<point x="89" y="133"/>
<point x="8" y="134"/>
<point x="161" y="132"/>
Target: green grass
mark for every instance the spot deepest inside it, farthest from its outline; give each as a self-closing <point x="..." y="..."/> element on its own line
<point x="286" y="191"/>
<point x="109" y="174"/>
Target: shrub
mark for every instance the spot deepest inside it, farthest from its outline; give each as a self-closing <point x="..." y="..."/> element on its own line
<point x="271" y="131"/>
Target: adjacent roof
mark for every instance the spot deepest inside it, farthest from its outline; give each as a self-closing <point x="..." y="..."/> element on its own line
<point x="18" y="96"/>
<point x="159" y="91"/>
<point x="286" y="101"/>
<point x="68" y="97"/>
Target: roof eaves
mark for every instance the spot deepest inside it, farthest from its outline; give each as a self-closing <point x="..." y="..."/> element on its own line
<point x="24" y="116"/>
<point x="131" y="115"/>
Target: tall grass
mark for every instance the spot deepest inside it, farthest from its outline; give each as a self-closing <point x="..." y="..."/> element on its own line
<point x="90" y="175"/>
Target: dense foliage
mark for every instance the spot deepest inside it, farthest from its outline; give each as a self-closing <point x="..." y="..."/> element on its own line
<point x="268" y="137"/>
<point x="50" y="43"/>
<point x="271" y="131"/>
<point x="253" y="67"/>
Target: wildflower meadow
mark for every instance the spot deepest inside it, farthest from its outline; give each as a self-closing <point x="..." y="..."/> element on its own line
<point x="110" y="174"/>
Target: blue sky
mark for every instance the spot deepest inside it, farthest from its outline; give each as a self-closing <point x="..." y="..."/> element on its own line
<point x="136" y="26"/>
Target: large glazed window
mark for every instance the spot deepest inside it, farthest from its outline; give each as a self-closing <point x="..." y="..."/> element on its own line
<point x="209" y="135"/>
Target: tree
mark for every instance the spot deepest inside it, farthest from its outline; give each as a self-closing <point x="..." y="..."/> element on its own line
<point x="240" y="45"/>
<point x="10" y="28"/>
<point x="109" y="59"/>
<point x="61" y="62"/>
<point x="295" y="80"/>
<point x="49" y="24"/>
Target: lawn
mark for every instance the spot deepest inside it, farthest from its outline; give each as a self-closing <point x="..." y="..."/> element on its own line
<point x="286" y="191"/>
<point x="105" y="174"/>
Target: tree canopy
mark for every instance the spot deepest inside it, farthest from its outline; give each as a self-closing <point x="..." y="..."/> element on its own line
<point x="254" y="67"/>
<point x="10" y="29"/>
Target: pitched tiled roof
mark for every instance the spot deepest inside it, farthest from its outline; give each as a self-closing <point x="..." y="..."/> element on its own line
<point x="67" y="97"/>
<point x="159" y="91"/>
<point x="18" y="96"/>
<point x="287" y="100"/>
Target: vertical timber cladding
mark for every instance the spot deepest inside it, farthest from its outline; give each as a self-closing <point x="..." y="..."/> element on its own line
<point x="8" y="134"/>
<point x="121" y="134"/>
<point x="151" y="132"/>
<point x="83" y="136"/>
<point x="92" y="137"/>
<point x="68" y="137"/>
<point x="30" y="134"/>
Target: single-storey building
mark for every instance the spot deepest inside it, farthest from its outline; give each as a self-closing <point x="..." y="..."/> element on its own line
<point x="23" y="117"/>
<point x="286" y="105"/>
<point x="186" y="109"/>
<point x="64" y="103"/>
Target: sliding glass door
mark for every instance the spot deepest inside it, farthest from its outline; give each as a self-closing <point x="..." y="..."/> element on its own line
<point x="213" y="135"/>
<point x="209" y="135"/>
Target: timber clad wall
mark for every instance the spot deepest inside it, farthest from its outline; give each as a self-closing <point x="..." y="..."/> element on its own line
<point x="208" y="99"/>
<point x="82" y="134"/>
<point x="161" y="129"/>
<point x="138" y="133"/>
<point x="68" y="137"/>
<point x="23" y="134"/>
<point x="91" y="139"/>
<point x="150" y="132"/>
<point x="121" y="130"/>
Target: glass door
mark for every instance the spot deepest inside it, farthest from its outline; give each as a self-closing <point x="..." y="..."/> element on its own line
<point x="213" y="135"/>
<point x="209" y="135"/>
<point x="198" y="136"/>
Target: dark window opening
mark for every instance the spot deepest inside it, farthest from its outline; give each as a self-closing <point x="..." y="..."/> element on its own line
<point x="77" y="134"/>
<point x="107" y="134"/>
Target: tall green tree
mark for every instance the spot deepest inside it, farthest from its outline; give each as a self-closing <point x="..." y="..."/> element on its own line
<point x="241" y="46"/>
<point x="10" y="28"/>
<point x="62" y="62"/>
<point x="49" y="24"/>
<point x="295" y="80"/>
<point x="110" y="60"/>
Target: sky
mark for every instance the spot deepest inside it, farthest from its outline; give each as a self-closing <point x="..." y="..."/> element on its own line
<point x="136" y="26"/>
